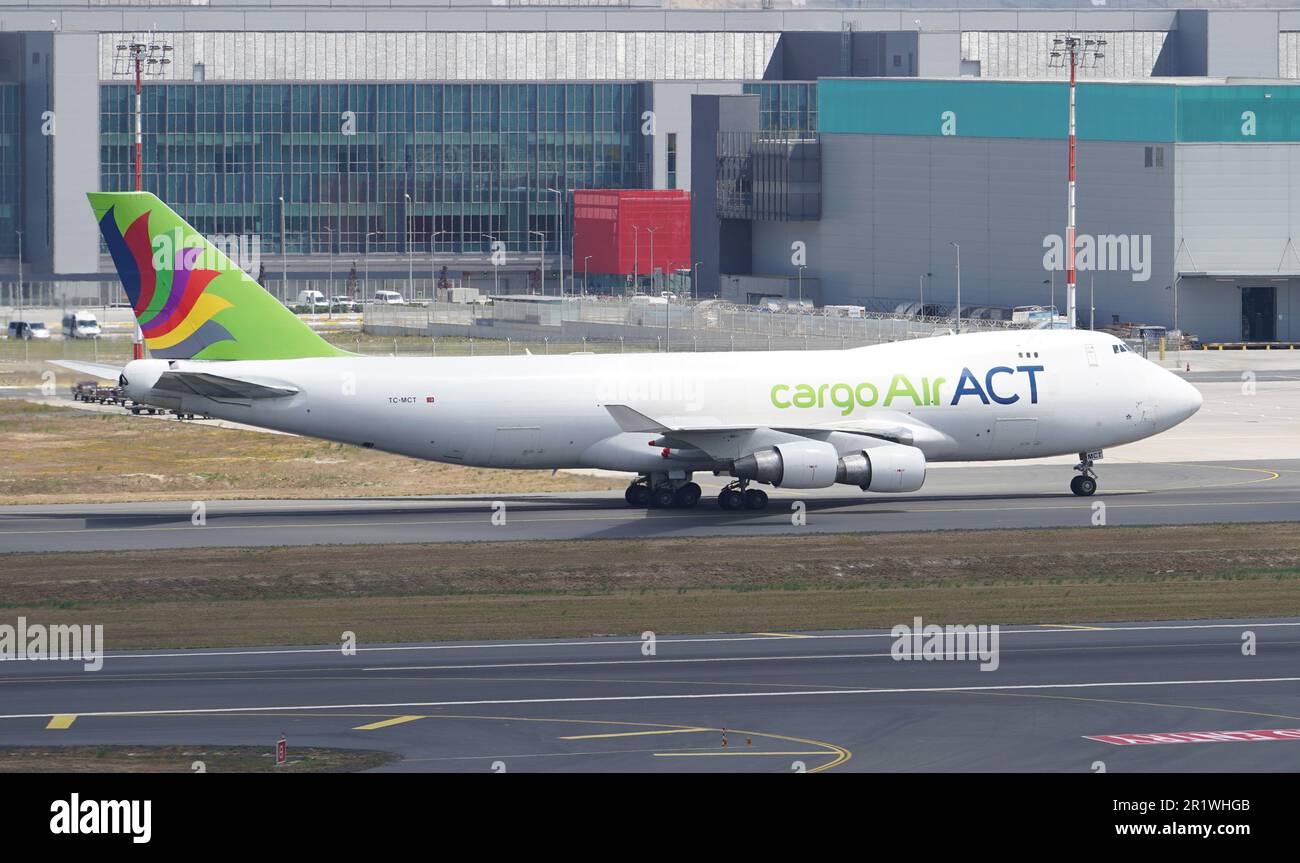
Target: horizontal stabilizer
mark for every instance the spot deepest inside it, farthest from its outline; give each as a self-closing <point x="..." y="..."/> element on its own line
<point x="633" y="421"/>
<point x="95" y="370"/>
<point x="220" y="388"/>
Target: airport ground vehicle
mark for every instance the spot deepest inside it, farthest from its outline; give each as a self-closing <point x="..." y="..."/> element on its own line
<point x="311" y="302"/>
<point x="81" y="325"/>
<point x="871" y="417"/>
<point x="392" y="298"/>
<point x="28" y="330"/>
<point x="344" y="304"/>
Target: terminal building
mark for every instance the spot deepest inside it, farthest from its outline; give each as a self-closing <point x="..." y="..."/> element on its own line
<point x="414" y="136"/>
<point x="1188" y="200"/>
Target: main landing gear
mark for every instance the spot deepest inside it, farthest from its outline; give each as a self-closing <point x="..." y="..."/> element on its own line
<point x="1085" y="484"/>
<point x="664" y="494"/>
<point x="736" y="496"/>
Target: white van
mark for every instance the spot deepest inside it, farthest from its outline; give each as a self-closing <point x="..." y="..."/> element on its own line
<point x="80" y="325"/>
<point x="392" y="298"/>
<point x="311" y="301"/>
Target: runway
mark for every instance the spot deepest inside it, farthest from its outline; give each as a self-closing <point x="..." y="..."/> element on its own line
<point x="1002" y="496"/>
<point x="757" y="702"/>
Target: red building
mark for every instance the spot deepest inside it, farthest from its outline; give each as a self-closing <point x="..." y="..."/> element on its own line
<point x="615" y="228"/>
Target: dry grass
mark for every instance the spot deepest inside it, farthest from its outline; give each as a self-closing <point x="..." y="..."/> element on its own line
<point x="559" y="589"/>
<point x="67" y="455"/>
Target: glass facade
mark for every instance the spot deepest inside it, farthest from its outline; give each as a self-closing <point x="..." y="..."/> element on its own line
<point x="375" y="167"/>
<point x="785" y="106"/>
<point x="10" y="160"/>
<point x="769" y="176"/>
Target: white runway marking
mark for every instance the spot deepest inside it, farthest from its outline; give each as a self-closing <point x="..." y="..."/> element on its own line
<point x="1040" y="629"/>
<point x="690" y="696"/>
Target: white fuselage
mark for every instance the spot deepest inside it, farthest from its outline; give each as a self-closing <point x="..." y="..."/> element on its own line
<point x="1007" y="395"/>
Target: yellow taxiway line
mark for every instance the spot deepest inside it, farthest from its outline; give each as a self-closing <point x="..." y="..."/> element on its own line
<point x="396" y="720"/>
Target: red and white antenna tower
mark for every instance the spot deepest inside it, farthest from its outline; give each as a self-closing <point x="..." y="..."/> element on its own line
<point x="1074" y="50"/>
<point x="141" y="57"/>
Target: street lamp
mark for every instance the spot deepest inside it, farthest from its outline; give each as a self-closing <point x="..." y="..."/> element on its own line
<point x="541" y="259"/>
<point x="559" y="226"/>
<point x="410" y="250"/>
<point x="651" y="232"/>
<point x="495" y="272"/>
<point x="957" y="246"/>
<point x="366" y="258"/>
<point x="433" y="263"/>
<point x="636" y="259"/>
<point x="586" y="276"/>
<point x="695" y="280"/>
<point x="284" y="258"/>
<point x="573" y="262"/>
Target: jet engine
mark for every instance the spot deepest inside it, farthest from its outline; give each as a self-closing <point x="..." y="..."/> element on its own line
<point x="888" y="468"/>
<point x="797" y="464"/>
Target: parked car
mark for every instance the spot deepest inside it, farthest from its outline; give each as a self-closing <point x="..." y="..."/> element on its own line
<point x="391" y="298"/>
<point x="81" y="325"/>
<point x="28" y="330"/>
<point x="344" y="304"/>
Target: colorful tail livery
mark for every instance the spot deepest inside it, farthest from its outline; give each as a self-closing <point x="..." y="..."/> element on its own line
<point x="192" y="302"/>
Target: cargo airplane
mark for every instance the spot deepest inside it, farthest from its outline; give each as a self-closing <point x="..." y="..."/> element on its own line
<point x="871" y="417"/>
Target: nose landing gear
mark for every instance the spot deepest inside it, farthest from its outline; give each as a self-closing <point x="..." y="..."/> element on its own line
<point x="1085" y="484"/>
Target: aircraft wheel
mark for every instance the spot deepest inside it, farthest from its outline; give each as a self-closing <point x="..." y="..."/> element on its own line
<point x="663" y="497"/>
<point x="730" y="499"/>
<point x="637" y="494"/>
<point x="755" y="498"/>
<point x="1083" y="486"/>
<point x="687" y="496"/>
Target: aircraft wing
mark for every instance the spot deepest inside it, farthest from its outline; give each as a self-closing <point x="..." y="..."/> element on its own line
<point x="95" y="370"/>
<point x="221" y="388"/>
<point x="724" y="441"/>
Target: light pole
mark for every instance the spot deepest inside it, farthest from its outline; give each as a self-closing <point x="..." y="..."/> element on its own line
<point x="957" y="246"/>
<point x="636" y="259"/>
<point x="1072" y="46"/>
<point x="586" y="276"/>
<point x="559" y="226"/>
<point x="541" y="259"/>
<point x="284" y="258"/>
<point x="802" y="267"/>
<point x="366" y="258"/>
<point x="573" y="261"/>
<point x="433" y="263"/>
<point x="695" y="281"/>
<point x="651" y="232"/>
<point x="496" y="289"/>
<point x="922" y="279"/>
<point x="20" y="275"/>
<point x="410" y="250"/>
<point x="329" y="254"/>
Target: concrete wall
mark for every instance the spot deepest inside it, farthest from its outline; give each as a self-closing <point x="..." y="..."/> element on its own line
<point x="1242" y="44"/>
<point x="672" y="107"/>
<point x="37" y="58"/>
<point x="1238" y="208"/>
<point x="76" y="153"/>
<point x="891" y="205"/>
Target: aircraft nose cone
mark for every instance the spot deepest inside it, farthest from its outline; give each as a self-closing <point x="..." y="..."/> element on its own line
<point x="1185" y="399"/>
